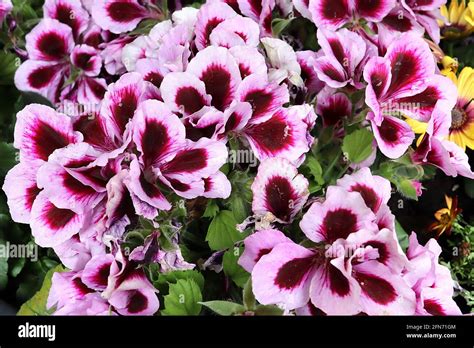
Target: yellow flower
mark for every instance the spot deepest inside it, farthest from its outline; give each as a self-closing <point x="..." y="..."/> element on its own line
<point x="461" y="131"/>
<point x="445" y="217"/>
<point x="459" y="20"/>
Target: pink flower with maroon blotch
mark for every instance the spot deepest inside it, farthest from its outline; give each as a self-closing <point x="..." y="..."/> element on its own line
<point x="112" y="54"/>
<point x="259" y="244"/>
<point x="394" y="24"/>
<point x="333" y="106"/>
<point x="48" y="45"/>
<point x="307" y="62"/>
<point x="375" y="192"/>
<point x="127" y="288"/>
<point x="210" y="15"/>
<point x="344" y="51"/>
<point x="279" y="189"/>
<point x="403" y="82"/>
<point x="431" y="281"/>
<point x="427" y="14"/>
<point x="333" y="14"/>
<point x="168" y="156"/>
<point x="69" y="12"/>
<point x="235" y="31"/>
<point x="70" y="296"/>
<point x="118" y="16"/>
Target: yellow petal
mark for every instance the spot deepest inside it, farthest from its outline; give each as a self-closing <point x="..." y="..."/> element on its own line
<point x="449" y="202"/>
<point x="457" y="138"/>
<point x="417" y="126"/>
<point x="466" y="83"/>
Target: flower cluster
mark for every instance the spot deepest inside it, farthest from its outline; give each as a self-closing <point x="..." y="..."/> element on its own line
<point x="170" y="100"/>
<point x="351" y="261"/>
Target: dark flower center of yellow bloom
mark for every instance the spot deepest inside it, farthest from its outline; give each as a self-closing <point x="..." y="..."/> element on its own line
<point x="459" y="117"/>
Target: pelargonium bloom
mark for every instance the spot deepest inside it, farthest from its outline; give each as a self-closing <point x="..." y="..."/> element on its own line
<point x="431" y="281"/>
<point x="334" y="14"/>
<point x="279" y="189"/>
<point x="403" y="82"/>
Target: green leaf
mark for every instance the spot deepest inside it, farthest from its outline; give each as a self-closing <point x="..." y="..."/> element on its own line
<point x="173" y="277"/>
<point x="232" y="269"/>
<point x="402" y="236"/>
<point x="183" y="299"/>
<point x="268" y="310"/>
<point x="9" y="62"/>
<point x="279" y="24"/>
<point x="7" y="158"/>
<point x="3" y="271"/>
<point x="222" y="232"/>
<point x="224" y="307"/>
<point x="239" y="201"/>
<point x="406" y="188"/>
<point x="211" y="209"/>
<point x="17" y="266"/>
<point x="248" y="296"/>
<point x="37" y="304"/>
<point x="357" y="146"/>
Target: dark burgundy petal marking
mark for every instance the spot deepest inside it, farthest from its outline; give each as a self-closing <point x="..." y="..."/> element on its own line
<point x="81" y="287"/>
<point x="338" y="283"/>
<point x="155" y="78"/>
<point x="66" y="15"/>
<point x="294" y="272"/>
<point x="232" y="122"/>
<point x="94" y="40"/>
<point x="83" y="61"/>
<point x="187" y="161"/>
<point x="46" y="139"/>
<point x="425" y="99"/>
<point x="279" y="196"/>
<point x="398" y="23"/>
<point x="378" y="80"/>
<point x="378" y="289"/>
<point x="333" y="113"/>
<point x="272" y="135"/>
<point x="137" y="302"/>
<point x="261" y="253"/>
<point x="179" y="186"/>
<point x="124" y="11"/>
<point x="369" y="8"/>
<point x="150" y="189"/>
<point x="217" y="81"/>
<point x="208" y="185"/>
<point x="260" y="100"/>
<point x="42" y="76"/>
<point x="96" y="88"/>
<point x="102" y="275"/>
<point x="334" y="9"/>
<point x="210" y="26"/>
<point x="333" y="73"/>
<point x="124" y="108"/>
<point x="57" y="218"/>
<point x="368" y="194"/>
<point x="405" y="69"/>
<point x="256" y="6"/>
<point x="244" y="70"/>
<point x="93" y="131"/>
<point x="337" y="50"/>
<point x="389" y="131"/>
<point x="382" y="249"/>
<point x="194" y="133"/>
<point x="155" y="141"/>
<point x="190" y="99"/>
<point x="339" y="223"/>
<point x="31" y="193"/>
<point x="433" y="307"/>
<point x="52" y="45"/>
<point x="76" y="187"/>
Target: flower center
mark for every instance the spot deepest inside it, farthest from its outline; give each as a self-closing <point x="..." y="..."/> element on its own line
<point x="459" y="117"/>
